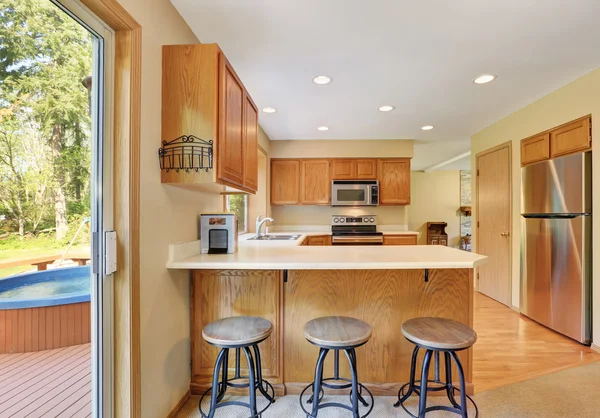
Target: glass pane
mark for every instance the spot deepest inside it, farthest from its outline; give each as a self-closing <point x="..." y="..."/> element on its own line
<point x="350" y="195"/>
<point x="238" y="204"/>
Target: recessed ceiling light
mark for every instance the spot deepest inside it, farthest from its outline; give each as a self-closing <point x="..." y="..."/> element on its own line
<point x="269" y="110"/>
<point x="484" y="78"/>
<point x="323" y="128"/>
<point x="386" y="108"/>
<point x="322" y="79"/>
<point x="427" y="128"/>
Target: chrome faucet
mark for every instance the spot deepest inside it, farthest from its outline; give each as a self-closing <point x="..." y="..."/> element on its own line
<point x="260" y="223"/>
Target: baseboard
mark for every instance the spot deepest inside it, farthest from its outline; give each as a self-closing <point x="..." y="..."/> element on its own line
<point x="596" y="348"/>
<point x="179" y="405"/>
<point x="514" y="308"/>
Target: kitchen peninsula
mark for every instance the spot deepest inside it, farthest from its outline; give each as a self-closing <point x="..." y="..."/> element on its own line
<point x="290" y="284"/>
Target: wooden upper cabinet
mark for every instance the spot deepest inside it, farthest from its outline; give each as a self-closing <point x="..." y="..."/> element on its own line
<point x="343" y="169"/>
<point x="250" y="149"/>
<point x="354" y="169"/>
<point x="572" y="137"/>
<point x="230" y="155"/>
<point x="203" y="96"/>
<point x="285" y="182"/>
<point x="366" y="169"/>
<point x="394" y="181"/>
<point x="316" y="182"/>
<point x="534" y="149"/>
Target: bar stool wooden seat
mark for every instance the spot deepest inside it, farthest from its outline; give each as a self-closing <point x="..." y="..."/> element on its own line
<point x="437" y="335"/>
<point x="337" y="333"/>
<point x="241" y="333"/>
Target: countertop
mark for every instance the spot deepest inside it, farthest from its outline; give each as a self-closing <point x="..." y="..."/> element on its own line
<point x="290" y="255"/>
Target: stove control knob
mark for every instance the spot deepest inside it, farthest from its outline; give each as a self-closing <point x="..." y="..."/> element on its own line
<point x="371" y="220"/>
<point x="342" y="220"/>
<point x="336" y="220"/>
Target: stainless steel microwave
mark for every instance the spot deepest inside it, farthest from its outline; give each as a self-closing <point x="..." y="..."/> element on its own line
<point x="354" y="193"/>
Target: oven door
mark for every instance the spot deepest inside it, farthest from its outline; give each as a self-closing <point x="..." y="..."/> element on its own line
<point x="357" y="240"/>
<point x="350" y="194"/>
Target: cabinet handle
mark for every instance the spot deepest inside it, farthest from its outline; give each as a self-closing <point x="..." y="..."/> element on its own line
<point x="505" y="234"/>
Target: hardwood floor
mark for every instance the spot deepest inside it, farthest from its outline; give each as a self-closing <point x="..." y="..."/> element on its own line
<point x="50" y="383"/>
<point x="512" y="348"/>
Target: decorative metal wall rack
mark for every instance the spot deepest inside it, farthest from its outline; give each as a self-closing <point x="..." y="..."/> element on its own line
<point x="188" y="152"/>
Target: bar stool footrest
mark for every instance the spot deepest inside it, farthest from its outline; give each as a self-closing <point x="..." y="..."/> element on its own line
<point x="403" y="397"/>
<point x="268" y="389"/>
<point x="327" y="383"/>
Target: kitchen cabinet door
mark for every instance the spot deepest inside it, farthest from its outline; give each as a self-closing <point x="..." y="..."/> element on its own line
<point x="316" y="182"/>
<point x="230" y="155"/>
<point x="534" y="149"/>
<point x="319" y="240"/>
<point x="343" y="169"/>
<point x="572" y="137"/>
<point x="394" y="181"/>
<point x="250" y="150"/>
<point x="399" y="240"/>
<point x="366" y="169"/>
<point x="285" y="182"/>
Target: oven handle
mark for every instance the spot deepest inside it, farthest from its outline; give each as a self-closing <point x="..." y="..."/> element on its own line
<point x="354" y="239"/>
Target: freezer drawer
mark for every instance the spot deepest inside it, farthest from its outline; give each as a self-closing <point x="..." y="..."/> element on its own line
<point x="555" y="276"/>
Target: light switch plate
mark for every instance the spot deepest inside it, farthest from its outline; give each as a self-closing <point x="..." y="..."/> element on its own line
<point x="110" y="259"/>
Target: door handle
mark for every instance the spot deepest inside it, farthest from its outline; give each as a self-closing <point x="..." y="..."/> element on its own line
<point x="504" y="234"/>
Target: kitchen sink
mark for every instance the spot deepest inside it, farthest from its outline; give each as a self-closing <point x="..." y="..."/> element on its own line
<point x="275" y="238"/>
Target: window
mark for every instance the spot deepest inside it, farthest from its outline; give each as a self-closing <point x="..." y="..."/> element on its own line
<point x="238" y="204"/>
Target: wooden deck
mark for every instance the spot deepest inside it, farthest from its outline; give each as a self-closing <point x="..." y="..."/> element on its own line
<point x="50" y="383"/>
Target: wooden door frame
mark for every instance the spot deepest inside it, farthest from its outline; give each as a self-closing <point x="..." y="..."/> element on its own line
<point x="126" y="136"/>
<point x="508" y="145"/>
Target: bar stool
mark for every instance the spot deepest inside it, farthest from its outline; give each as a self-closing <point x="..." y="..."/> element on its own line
<point x="337" y="333"/>
<point x="239" y="333"/>
<point x="437" y="335"/>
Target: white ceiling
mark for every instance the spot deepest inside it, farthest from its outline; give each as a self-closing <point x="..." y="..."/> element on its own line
<point x="419" y="56"/>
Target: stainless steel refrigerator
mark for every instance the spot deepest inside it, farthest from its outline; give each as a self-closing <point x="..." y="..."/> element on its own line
<point x="556" y="247"/>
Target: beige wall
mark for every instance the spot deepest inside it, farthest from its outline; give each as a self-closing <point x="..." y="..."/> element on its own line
<point x="341" y="148"/>
<point x="435" y="197"/>
<point x="168" y="215"/>
<point x="572" y="101"/>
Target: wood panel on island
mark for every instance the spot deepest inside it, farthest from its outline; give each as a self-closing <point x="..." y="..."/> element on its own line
<point x="203" y="99"/>
<point x="382" y="298"/>
<point x="308" y="181"/>
<point x="569" y="138"/>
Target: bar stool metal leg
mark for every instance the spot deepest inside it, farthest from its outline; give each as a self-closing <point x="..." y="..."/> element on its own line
<point x="259" y="379"/>
<point x="215" y="386"/>
<point x="463" y="389"/>
<point x="223" y="384"/>
<point x="424" y="376"/>
<point x="354" y="394"/>
<point x="252" y="380"/>
<point x="317" y="382"/>
<point x="449" y="385"/>
<point x="411" y="384"/>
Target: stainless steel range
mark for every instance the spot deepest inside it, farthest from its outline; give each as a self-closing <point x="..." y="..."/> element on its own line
<point x="355" y="230"/>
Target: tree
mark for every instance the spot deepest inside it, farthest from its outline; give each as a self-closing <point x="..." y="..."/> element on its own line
<point x="44" y="55"/>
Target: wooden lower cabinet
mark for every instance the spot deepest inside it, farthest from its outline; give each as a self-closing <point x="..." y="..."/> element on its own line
<point x="399" y="240"/>
<point x="318" y="240"/>
<point x="382" y="298"/>
<point x="218" y="294"/>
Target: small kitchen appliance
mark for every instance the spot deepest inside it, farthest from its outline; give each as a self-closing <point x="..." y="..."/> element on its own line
<point x="218" y="233"/>
<point x="354" y="193"/>
<point x="355" y="230"/>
